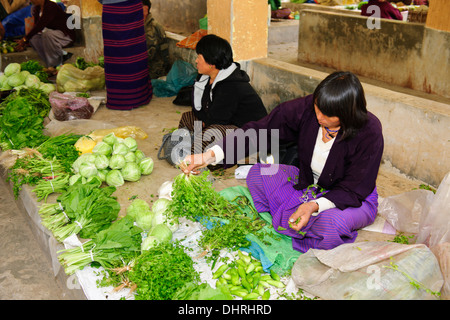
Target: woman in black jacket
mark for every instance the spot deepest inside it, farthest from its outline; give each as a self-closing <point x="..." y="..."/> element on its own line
<point x="222" y="97"/>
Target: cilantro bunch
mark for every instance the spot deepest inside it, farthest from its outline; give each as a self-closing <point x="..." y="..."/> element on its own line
<point x="160" y="271"/>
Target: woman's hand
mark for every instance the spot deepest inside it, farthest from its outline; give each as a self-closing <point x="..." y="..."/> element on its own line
<point x="194" y="162"/>
<point x="21" y="45"/>
<point x="300" y="218"/>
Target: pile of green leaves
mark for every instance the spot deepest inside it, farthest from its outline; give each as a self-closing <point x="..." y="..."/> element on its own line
<point x="34" y="96"/>
<point x="111" y="248"/>
<point x="83" y="209"/>
<point x="82" y="64"/>
<point x="194" y="198"/>
<point x="34" y="67"/>
<point x="63" y="148"/>
<point x="20" y="126"/>
<point x="48" y="166"/>
<point x="161" y="270"/>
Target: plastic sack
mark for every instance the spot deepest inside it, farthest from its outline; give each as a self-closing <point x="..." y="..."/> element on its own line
<point x="66" y="107"/>
<point x="434" y="225"/>
<point x="121" y="132"/>
<point x="403" y="211"/>
<point x="180" y="75"/>
<point x="359" y="271"/>
<point x="72" y="79"/>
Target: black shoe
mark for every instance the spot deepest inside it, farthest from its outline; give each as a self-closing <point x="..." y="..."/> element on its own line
<point x="67" y="56"/>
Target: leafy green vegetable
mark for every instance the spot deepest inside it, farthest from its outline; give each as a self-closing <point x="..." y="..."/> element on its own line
<point x="161" y="232"/>
<point x="161" y="270"/>
<point x="194" y="198"/>
<point x="32" y="66"/>
<point x="88" y="207"/>
<point x="113" y="247"/>
<point x="20" y="126"/>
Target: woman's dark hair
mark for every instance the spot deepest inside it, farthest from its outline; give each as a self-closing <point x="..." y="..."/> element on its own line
<point x="147" y="3"/>
<point x="341" y="95"/>
<point x="216" y="51"/>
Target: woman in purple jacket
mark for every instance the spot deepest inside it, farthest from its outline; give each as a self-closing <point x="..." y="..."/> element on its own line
<point x="332" y="193"/>
<point x="386" y="10"/>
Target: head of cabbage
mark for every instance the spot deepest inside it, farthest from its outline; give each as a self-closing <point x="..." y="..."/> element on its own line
<point x="146" y="166"/>
<point x="161" y="232"/>
<point x="110" y="139"/>
<point x="130" y="143"/>
<point x="101" y="161"/>
<point x="11" y="68"/>
<point x="114" y="178"/>
<point x="131" y="172"/>
<point x="32" y="81"/>
<point x="102" y="148"/>
<point x="85" y="157"/>
<point x="16" y="79"/>
<point x="120" y="148"/>
<point x="140" y="211"/>
<point x="149" y="242"/>
<point x="117" y="161"/>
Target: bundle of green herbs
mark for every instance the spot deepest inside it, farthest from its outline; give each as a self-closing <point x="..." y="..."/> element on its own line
<point x="161" y="270"/>
<point x="84" y="208"/>
<point x="48" y="166"/>
<point x="194" y="198"/>
<point x="111" y="248"/>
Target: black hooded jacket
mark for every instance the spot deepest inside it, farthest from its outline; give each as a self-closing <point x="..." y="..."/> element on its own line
<point x="234" y="101"/>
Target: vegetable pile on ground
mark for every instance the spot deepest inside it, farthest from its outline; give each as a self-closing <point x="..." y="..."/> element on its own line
<point x="17" y="76"/>
<point x="113" y="160"/>
<point x="84" y="209"/>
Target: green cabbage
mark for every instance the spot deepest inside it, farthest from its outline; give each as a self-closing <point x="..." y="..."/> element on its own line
<point x="86" y="157"/>
<point x="138" y="205"/>
<point x="120" y="148"/>
<point x="101" y="161"/>
<point x="114" y="178"/>
<point x="102" y="148"/>
<point x="25" y="73"/>
<point x="16" y="80"/>
<point x="140" y="211"/>
<point x="149" y="242"/>
<point x="117" y="161"/>
<point x="102" y="174"/>
<point x="130" y="143"/>
<point x="130" y="157"/>
<point x="47" y="87"/>
<point x="88" y="170"/>
<point x="3" y="79"/>
<point x="110" y="139"/>
<point x="146" y="166"/>
<point x="131" y="172"/>
<point x="139" y="155"/>
<point x="11" y="69"/>
<point x="32" y="81"/>
<point x="161" y="232"/>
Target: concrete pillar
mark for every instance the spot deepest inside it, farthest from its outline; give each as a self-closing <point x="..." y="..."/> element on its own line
<point x="243" y="23"/>
<point x="439" y="15"/>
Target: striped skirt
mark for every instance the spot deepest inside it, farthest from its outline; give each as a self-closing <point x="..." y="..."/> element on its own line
<point x="128" y="84"/>
<point x="214" y="132"/>
<point x="272" y="191"/>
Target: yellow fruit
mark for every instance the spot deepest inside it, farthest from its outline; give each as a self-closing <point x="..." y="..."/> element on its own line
<point x="85" y="144"/>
